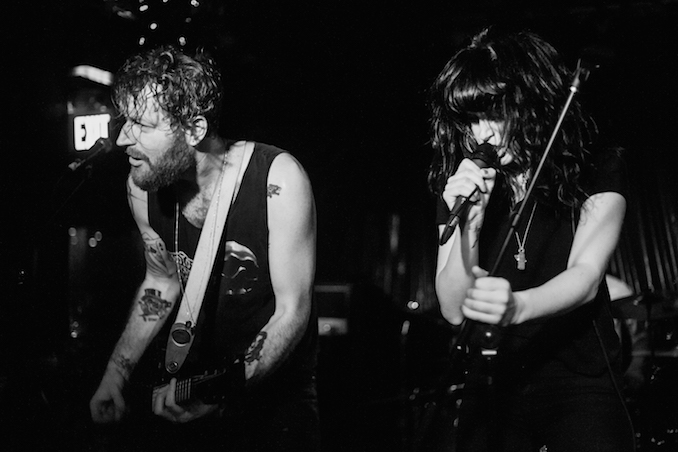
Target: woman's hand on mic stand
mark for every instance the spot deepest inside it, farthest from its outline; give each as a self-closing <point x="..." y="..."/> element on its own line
<point x="490" y="300"/>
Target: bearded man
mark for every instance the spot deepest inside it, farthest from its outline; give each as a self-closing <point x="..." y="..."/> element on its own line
<point x="256" y="323"/>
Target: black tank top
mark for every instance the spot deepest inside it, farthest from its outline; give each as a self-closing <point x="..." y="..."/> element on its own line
<point x="570" y="339"/>
<point x="239" y="300"/>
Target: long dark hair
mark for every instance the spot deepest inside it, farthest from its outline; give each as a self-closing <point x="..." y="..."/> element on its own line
<point x="520" y="79"/>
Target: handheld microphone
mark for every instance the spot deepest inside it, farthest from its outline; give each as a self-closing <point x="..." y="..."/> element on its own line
<point x="101" y="145"/>
<point x="484" y="156"/>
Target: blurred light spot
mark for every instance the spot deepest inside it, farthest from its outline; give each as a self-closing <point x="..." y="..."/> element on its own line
<point x="93" y="74"/>
<point x="405" y="328"/>
<point x="75" y="329"/>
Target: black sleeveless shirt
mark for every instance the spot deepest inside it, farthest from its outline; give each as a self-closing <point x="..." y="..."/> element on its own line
<point x="239" y="299"/>
<point x="568" y="340"/>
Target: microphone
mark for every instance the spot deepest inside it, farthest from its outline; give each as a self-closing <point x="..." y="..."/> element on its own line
<point x="101" y="145"/>
<point x="484" y="156"/>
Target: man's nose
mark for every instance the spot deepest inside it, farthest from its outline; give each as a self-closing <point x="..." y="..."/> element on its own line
<point x="124" y="135"/>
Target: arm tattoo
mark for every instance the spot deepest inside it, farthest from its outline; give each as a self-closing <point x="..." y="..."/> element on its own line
<point x="153" y="307"/>
<point x="254" y="352"/>
<point x="272" y="190"/>
<point x="124" y="365"/>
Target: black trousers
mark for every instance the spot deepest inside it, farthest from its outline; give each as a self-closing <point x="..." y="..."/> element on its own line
<point x="553" y="411"/>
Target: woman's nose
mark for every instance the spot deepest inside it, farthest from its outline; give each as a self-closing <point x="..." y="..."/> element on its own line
<point x="482" y="131"/>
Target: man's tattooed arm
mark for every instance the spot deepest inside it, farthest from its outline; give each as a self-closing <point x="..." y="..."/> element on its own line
<point x="272" y="189"/>
<point x="255" y="357"/>
<point x="123" y="365"/>
<point x="155" y="298"/>
<point x="254" y="352"/>
<point x="153" y="307"/>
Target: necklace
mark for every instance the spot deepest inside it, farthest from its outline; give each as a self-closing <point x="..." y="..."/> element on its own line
<point x="521" y="259"/>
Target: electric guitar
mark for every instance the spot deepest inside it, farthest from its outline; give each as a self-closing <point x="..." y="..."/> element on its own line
<point x="210" y="387"/>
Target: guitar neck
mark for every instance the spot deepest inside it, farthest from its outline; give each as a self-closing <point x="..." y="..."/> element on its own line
<point x="206" y="386"/>
<point x="211" y="387"/>
<point x="185" y="390"/>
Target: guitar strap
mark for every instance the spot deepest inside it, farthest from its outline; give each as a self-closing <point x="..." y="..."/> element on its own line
<point x="183" y="330"/>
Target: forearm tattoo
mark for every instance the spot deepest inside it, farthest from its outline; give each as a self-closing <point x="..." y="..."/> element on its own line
<point x="272" y="190"/>
<point x="254" y="352"/>
<point x="125" y="365"/>
<point x="153" y="306"/>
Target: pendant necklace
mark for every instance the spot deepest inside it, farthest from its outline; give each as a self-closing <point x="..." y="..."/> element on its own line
<point x="520" y="258"/>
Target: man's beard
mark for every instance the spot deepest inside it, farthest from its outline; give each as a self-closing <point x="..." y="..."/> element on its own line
<point x="176" y="160"/>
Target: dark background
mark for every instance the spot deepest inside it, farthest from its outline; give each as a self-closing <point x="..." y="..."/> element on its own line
<point x="343" y="86"/>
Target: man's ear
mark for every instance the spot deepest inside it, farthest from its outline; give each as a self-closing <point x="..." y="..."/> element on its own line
<point x="197" y="132"/>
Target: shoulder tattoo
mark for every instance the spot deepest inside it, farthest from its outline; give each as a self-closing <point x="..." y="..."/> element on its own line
<point x="272" y="189"/>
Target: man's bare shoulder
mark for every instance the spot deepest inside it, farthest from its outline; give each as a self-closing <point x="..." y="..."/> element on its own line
<point x="286" y="170"/>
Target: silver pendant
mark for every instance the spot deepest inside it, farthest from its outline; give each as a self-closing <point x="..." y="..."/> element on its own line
<point x="520" y="258"/>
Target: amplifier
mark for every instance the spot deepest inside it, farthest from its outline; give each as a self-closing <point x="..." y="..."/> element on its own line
<point x="333" y="304"/>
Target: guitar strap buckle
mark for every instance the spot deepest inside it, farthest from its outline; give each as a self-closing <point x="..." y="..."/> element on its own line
<point x="178" y="344"/>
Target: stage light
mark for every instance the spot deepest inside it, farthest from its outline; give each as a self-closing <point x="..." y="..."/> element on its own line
<point x="93" y="74"/>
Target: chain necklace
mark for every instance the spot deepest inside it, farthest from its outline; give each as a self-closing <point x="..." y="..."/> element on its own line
<point x="520" y="258"/>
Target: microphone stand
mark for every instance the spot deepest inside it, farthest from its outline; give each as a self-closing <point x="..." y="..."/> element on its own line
<point x="27" y="271"/>
<point x="491" y="334"/>
<point x="84" y="167"/>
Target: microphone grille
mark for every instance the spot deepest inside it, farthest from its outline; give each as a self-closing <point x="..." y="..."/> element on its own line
<point x="485" y="153"/>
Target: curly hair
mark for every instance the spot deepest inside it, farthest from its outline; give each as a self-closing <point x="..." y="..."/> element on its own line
<point x="519" y="79"/>
<point x="184" y="86"/>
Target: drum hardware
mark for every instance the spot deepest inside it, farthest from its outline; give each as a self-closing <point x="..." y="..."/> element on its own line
<point x="672" y="353"/>
<point x="646" y="306"/>
<point x="656" y="318"/>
